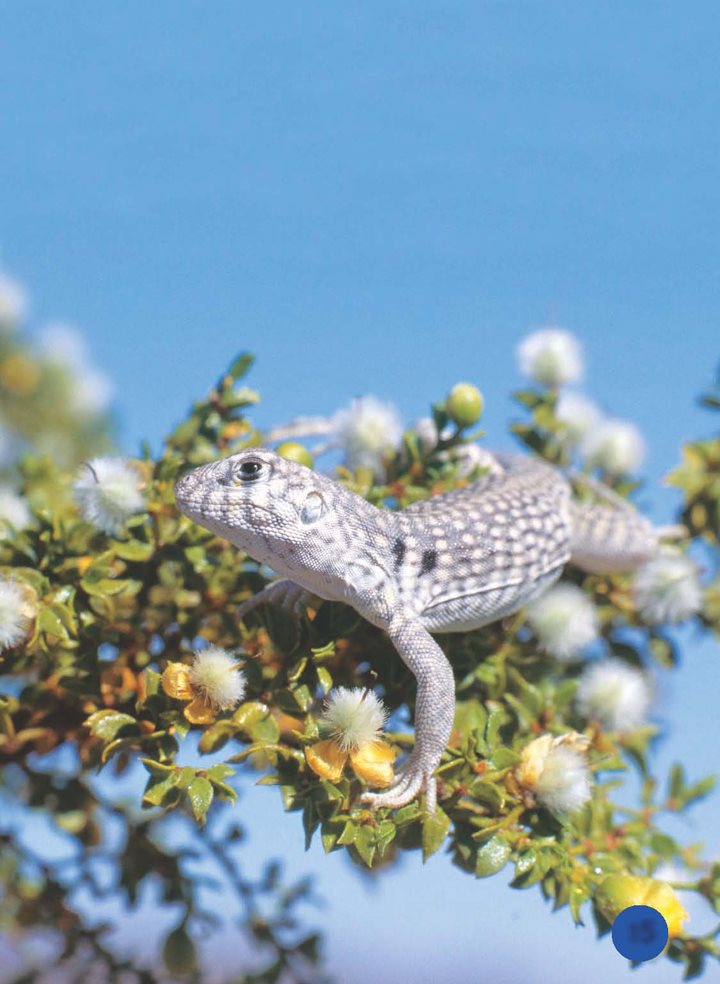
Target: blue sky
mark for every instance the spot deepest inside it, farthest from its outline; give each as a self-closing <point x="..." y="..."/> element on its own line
<point x="382" y="198"/>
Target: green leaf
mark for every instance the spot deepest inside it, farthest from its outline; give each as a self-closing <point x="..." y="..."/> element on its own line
<point x="303" y="697"/>
<point x="179" y="954"/>
<point x="200" y="794"/>
<point x="487" y="793"/>
<point x="699" y="789"/>
<point x="324" y="679"/>
<point x="503" y="758"/>
<point x="349" y="833"/>
<point x="152" y="681"/>
<point x="220" y="772"/>
<point x="364" y="844"/>
<point x="435" y="829"/>
<point x="255" y="719"/>
<point x="495" y="721"/>
<point x="223" y="791"/>
<point x="240" y="365"/>
<point x="310" y="948"/>
<point x="162" y="793"/>
<point x="49" y="622"/>
<point x="470" y="715"/>
<point x="329" y="835"/>
<point x="296" y="671"/>
<point x="157" y="769"/>
<point x="525" y="863"/>
<point x="185" y="776"/>
<point x="492" y="856"/>
<point x="107" y="724"/>
<point x="133" y="550"/>
<point x="662" y="844"/>
<point x="215" y="737"/>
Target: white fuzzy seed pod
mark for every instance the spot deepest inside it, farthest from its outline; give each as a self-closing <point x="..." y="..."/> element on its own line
<point x="353" y="717"/>
<point x="667" y="589"/>
<point x="616" y="446"/>
<point x="14" y="511"/>
<point x="107" y="491"/>
<point x="615" y="694"/>
<point x="216" y="677"/>
<point x="18" y="606"/>
<point x="578" y="414"/>
<point x="368" y="430"/>
<point x="564" y="621"/>
<point x="551" y="357"/>
<point x="556" y="772"/>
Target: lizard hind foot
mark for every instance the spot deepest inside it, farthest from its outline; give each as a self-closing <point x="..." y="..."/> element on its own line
<point x="409" y="782"/>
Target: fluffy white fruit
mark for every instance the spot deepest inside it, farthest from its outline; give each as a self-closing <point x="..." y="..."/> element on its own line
<point x="667" y="589"/>
<point x="353" y="717"/>
<point x="368" y="430"/>
<point x="615" y="694"/>
<point x="564" y="621"/>
<point x="551" y="357"/>
<point x="616" y="446"/>
<point x="215" y="675"/>
<point x="107" y="491"/>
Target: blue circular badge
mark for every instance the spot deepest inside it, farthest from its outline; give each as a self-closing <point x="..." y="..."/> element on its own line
<point x="640" y="932"/>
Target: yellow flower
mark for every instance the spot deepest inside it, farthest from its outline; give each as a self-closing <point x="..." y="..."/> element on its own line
<point x="618" y="892"/>
<point x="373" y="762"/>
<point x="354" y="718"/>
<point x="212" y="683"/>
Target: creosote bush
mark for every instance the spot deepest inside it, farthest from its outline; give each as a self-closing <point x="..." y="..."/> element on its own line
<point x="106" y="666"/>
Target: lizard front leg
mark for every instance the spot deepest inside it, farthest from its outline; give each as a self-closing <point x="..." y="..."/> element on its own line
<point x="434" y="709"/>
<point x="290" y="596"/>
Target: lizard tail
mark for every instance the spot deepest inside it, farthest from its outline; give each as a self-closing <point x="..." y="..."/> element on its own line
<point x="611" y="540"/>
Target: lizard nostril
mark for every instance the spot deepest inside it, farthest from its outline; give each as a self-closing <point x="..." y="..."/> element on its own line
<point x="182" y="484"/>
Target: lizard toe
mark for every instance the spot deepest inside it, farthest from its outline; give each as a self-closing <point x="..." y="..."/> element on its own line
<point x="408" y="785"/>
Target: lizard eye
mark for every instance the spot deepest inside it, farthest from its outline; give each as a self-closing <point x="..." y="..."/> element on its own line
<point x="249" y="471"/>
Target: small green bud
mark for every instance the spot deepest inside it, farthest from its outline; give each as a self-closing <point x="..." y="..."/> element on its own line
<point x="465" y="404"/>
<point x="292" y="451"/>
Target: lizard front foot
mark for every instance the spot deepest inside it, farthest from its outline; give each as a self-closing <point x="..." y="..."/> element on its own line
<point x="412" y="778"/>
<point x="284" y="593"/>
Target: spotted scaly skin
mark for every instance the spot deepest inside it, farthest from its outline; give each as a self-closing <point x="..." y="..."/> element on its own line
<point x="451" y="563"/>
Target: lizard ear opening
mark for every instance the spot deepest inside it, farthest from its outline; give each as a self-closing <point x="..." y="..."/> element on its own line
<point x="312" y="509"/>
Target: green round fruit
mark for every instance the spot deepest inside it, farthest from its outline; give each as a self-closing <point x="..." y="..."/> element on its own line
<point x="465" y="404"/>
<point x="292" y="451"/>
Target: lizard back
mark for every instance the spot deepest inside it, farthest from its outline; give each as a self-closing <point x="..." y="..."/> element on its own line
<point x="467" y="557"/>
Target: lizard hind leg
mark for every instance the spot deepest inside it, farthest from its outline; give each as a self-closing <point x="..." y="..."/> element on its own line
<point x="434" y="709"/>
<point x="608" y="539"/>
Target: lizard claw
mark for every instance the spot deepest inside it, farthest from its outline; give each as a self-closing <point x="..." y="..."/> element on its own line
<point x="284" y="593"/>
<point x="411" y="780"/>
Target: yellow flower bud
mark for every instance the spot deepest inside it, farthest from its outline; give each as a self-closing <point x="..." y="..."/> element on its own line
<point x="374" y="763"/>
<point x="326" y="759"/>
<point x="175" y="681"/>
<point x="662" y="897"/>
<point x="198" y="711"/>
<point x="618" y="892"/>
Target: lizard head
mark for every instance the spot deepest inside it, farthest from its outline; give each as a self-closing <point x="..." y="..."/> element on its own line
<point x="279" y="512"/>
